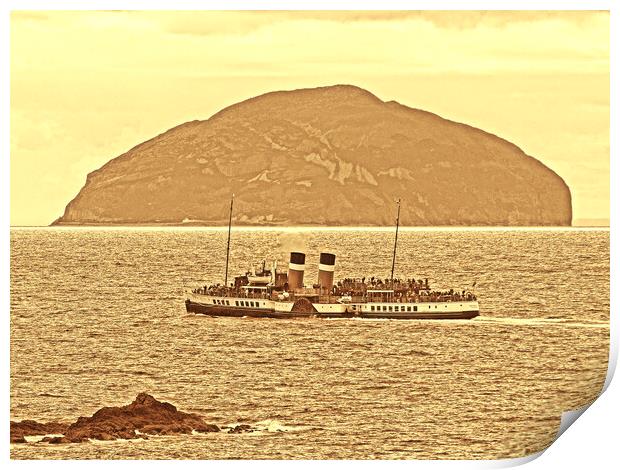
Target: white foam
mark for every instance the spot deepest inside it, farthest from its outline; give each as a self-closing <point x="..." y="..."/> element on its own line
<point x="39" y="437"/>
<point x="272" y="425"/>
<point x="542" y="322"/>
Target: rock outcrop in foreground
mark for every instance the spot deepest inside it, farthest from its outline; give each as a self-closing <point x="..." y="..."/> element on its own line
<point x="29" y="427"/>
<point x="324" y="156"/>
<point x="144" y="416"/>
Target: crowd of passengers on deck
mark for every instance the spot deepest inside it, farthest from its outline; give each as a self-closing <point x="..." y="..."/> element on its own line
<point x="400" y="290"/>
<point x="404" y="290"/>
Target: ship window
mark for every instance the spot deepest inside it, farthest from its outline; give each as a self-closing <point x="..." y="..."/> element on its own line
<point x="435" y="306"/>
<point x="408" y="309"/>
<point x="415" y="308"/>
<point x="237" y="303"/>
<point x="402" y="308"/>
<point x="372" y="308"/>
<point x="247" y="304"/>
<point x="227" y="302"/>
<point x="390" y="308"/>
<point x="384" y="308"/>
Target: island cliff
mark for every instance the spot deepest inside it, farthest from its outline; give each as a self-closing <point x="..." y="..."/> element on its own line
<point x="335" y="155"/>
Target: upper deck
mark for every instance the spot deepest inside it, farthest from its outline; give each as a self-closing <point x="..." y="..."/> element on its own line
<point x="349" y="291"/>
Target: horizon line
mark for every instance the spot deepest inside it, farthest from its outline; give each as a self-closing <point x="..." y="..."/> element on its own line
<point x="319" y="227"/>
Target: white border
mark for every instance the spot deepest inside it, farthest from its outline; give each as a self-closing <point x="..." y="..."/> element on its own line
<point x="591" y="443"/>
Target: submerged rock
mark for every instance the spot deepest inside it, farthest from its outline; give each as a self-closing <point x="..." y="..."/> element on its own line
<point x="241" y="428"/>
<point x="208" y="428"/>
<point x="56" y="440"/>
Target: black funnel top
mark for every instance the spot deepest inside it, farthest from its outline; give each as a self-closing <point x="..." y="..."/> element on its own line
<point x="328" y="259"/>
<point x="298" y="258"/>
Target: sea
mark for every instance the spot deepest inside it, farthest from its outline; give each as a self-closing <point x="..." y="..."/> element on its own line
<point x="97" y="316"/>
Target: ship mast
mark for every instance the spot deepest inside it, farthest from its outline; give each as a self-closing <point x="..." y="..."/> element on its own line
<point x="228" y="243"/>
<point x="395" y="240"/>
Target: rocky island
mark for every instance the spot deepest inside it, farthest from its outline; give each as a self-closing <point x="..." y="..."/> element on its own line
<point x="334" y="155"/>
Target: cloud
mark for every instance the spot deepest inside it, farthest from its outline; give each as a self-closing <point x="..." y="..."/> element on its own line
<point x="28" y="16"/>
<point x="205" y="23"/>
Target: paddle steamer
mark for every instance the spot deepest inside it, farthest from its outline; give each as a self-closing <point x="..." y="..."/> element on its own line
<point x="276" y="293"/>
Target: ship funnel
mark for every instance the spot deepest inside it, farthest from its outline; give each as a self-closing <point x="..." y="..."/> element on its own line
<point x="296" y="268"/>
<point x="327" y="263"/>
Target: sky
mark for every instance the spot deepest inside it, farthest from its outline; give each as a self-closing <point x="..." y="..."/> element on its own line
<point x="88" y="86"/>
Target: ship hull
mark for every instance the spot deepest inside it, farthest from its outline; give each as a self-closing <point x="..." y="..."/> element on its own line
<point x="466" y="315"/>
<point x="226" y="311"/>
<point x="289" y="311"/>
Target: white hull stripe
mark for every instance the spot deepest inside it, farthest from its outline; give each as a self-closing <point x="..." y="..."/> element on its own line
<point x="327" y="267"/>
<point x="297" y="267"/>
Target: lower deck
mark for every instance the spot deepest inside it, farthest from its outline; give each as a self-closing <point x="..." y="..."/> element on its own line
<point x="302" y="307"/>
